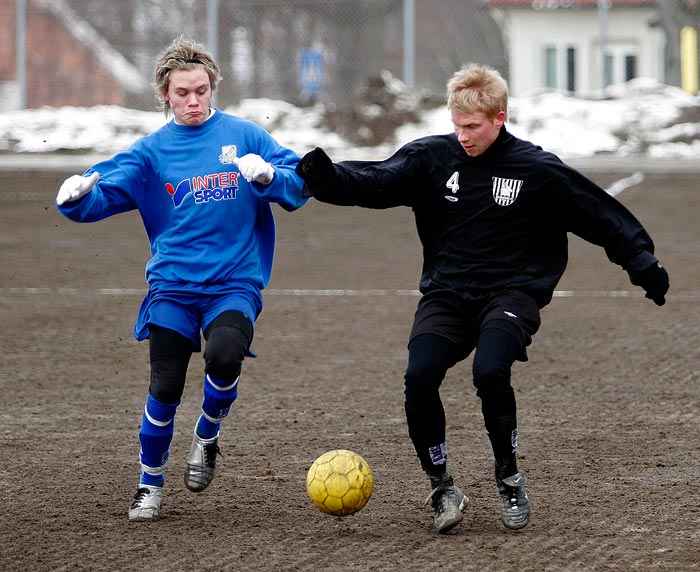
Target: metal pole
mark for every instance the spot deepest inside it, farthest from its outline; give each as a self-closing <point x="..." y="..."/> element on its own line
<point x="21" y="53"/>
<point x="213" y="28"/>
<point x="603" y="23"/>
<point x="409" y="43"/>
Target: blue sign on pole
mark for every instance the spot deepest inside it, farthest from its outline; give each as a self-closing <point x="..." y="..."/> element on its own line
<point x="310" y="72"/>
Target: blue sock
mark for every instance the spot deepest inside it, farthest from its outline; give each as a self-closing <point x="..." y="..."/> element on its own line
<point x="219" y="395"/>
<point x="155" y="435"/>
<point x="206" y="429"/>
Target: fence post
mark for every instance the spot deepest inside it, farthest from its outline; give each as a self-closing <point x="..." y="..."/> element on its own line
<point x="409" y="43"/>
<point x="21" y="52"/>
<point x="603" y="23"/>
<point x="213" y="28"/>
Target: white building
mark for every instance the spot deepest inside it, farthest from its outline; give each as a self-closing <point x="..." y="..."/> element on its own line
<point x="557" y="43"/>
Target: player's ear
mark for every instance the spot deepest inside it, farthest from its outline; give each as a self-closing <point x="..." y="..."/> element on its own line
<point x="500" y="118"/>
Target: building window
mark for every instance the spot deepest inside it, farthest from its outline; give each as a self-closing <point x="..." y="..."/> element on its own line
<point x="571" y="69"/>
<point x="559" y="67"/>
<point x="620" y="64"/>
<point x="608" y="69"/>
<point x="550" y="67"/>
<point x="630" y="67"/>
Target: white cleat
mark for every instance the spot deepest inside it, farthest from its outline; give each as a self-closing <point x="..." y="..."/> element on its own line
<point x="448" y="502"/>
<point x="146" y="504"/>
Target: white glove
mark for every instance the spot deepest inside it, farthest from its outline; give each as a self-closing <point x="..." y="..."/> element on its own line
<point x="75" y="187"/>
<point x="255" y="168"/>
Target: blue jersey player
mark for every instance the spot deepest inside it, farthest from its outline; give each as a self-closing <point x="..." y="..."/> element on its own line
<point x="203" y="184"/>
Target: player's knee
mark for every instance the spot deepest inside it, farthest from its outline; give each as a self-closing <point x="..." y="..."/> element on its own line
<point x="170" y="354"/>
<point x="421" y="388"/>
<point x="226" y="348"/>
<point x="168" y="380"/>
<point x="416" y="378"/>
<point x="491" y="375"/>
<point x="427" y="362"/>
<point x="498" y="347"/>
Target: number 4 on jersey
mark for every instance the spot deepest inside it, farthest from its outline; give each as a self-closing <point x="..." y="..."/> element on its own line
<point x="453" y="182"/>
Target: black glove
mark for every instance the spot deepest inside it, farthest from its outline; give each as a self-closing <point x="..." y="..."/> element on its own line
<point x="318" y="172"/>
<point x="654" y="281"/>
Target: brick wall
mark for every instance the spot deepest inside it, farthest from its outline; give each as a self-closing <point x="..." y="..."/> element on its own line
<point x="7" y="41"/>
<point x="60" y="70"/>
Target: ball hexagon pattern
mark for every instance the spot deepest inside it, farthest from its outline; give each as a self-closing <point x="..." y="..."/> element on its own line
<point x="340" y="482"/>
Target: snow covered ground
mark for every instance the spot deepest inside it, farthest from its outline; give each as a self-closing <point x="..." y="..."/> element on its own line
<point x="638" y="118"/>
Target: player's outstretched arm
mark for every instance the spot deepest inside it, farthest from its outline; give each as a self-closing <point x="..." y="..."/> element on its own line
<point x="654" y="281"/>
<point x="75" y="187"/>
<point x="369" y="184"/>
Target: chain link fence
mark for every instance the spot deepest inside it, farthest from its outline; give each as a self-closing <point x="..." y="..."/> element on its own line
<point x="87" y="52"/>
<point x="91" y="52"/>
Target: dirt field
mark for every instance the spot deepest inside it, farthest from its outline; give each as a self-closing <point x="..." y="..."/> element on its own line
<point x="609" y="408"/>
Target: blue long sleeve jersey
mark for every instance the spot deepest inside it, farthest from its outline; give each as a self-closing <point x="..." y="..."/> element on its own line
<point x="208" y="228"/>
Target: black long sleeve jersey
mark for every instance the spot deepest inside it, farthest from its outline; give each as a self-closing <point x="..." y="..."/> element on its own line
<point x="492" y="222"/>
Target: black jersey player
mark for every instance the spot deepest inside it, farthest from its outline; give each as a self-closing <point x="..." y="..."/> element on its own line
<point x="492" y="212"/>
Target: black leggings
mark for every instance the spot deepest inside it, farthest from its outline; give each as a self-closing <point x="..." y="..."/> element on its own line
<point x="429" y="358"/>
<point x="228" y="339"/>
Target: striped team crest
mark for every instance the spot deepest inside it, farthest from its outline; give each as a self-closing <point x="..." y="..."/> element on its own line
<point x="505" y="191"/>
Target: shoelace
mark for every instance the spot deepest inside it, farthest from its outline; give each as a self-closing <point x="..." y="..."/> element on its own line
<point x="139" y="497"/>
<point x="443" y="502"/>
<point x="438" y="496"/>
<point x="210" y="453"/>
<point x="513" y="496"/>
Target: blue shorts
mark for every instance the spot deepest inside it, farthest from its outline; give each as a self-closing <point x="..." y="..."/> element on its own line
<point x="189" y="313"/>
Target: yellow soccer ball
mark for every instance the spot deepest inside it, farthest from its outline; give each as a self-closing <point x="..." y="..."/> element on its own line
<point x="339" y="482"/>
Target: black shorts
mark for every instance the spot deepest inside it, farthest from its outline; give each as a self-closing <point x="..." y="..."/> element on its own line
<point x="460" y="317"/>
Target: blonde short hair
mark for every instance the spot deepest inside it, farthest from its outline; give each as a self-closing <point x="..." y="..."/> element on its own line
<point x="182" y="54"/>
<point x="477" y="88"/>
